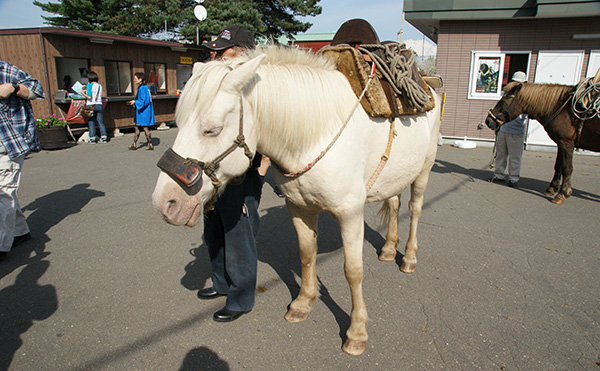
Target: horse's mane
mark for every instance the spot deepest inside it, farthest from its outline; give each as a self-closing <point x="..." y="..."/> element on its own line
<point x="300" y="98"/>
<point x="541" y="99"/>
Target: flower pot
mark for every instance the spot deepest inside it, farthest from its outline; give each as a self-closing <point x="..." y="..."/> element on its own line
<point x="53" y="137"/>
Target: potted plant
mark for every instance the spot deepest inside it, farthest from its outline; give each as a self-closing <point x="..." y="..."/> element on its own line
<point x="52" y="131"/>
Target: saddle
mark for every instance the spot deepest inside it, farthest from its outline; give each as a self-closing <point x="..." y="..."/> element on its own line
<point x="355" y="47"/>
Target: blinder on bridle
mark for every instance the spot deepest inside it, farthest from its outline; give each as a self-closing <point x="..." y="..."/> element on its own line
<point x="184" y="170"/>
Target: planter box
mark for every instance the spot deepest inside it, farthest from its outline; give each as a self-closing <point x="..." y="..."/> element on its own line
<point x="54" y="137"/>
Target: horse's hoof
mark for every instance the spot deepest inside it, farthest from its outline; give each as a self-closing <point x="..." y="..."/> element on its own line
<point x="295" y="316"/>
<point x="387" y="256"/>
<point x="408" y="267"/>
<point x="354" y="348"/>
<point x="558" y="200"/>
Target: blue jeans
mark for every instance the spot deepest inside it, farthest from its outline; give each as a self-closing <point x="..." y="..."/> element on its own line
<point x="230" y="232"/>
<point x="97" y="118"/>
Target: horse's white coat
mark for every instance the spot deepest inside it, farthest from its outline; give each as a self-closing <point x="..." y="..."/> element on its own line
<point x="293" y="104"/>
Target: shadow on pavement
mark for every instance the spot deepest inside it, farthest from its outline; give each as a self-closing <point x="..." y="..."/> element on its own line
<point x="202" y="358"/>
<point x="26" y="301"/>
<point x="532" y="186"/>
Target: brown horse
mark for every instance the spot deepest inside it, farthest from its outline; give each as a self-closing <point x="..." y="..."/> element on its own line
<point x="552" y="106"/>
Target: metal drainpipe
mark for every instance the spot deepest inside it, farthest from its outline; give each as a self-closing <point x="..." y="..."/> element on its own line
<point x="48" y="95"/>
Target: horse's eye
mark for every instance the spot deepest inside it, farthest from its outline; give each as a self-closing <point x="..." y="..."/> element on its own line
<point x="212" y="132"/>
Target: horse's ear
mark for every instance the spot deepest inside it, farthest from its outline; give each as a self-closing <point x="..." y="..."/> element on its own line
<point x="513" y="87"/>
<point x="237" y="79"/>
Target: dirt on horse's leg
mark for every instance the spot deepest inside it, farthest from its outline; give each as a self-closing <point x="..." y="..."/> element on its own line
<point x="352" y="230"/>
<point x="415" y="205"/>
<point x="567" y="170"/>
<point x="558" y="170"/>
<point x="388" y="252"/>
<point x="306" y="227"/>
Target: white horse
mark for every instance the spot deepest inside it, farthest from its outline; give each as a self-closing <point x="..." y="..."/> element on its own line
<point x="289" y="106"/>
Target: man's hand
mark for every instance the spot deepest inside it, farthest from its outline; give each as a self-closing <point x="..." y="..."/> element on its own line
<point x="6" y="90"/>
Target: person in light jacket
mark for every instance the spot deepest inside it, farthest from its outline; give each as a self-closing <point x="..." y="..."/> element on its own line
<point x="509" y="145"/>
<point x="144" y="111"/>
<point x="93" y="93"/>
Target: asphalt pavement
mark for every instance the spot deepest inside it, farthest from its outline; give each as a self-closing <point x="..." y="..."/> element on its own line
<point x="505" y="279"/>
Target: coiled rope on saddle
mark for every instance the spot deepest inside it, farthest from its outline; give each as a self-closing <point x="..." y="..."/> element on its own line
<point x="586" y="100"/>
<point x="397" y="70"/>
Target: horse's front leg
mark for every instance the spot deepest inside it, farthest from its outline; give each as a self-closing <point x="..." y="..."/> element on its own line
<point x="352" y="231"/>
<point x="558" y="170"/>
<point x="567" y="171"/>
<point x="417" y="191"/>
<point x="390" y="212"/>
<point x="306" y="228"/>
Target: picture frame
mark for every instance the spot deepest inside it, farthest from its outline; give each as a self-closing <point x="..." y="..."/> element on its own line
<point x="485" y="81"/>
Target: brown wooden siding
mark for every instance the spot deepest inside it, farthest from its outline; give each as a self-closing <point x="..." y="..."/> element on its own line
<point x="457" y="39"/>
<point x="27" y="51"/>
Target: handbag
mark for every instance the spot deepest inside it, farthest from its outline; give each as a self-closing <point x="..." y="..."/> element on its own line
<point x="87" y="111"/>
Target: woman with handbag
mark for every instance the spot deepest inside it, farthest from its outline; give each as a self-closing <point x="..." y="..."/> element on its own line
<point x="93" y="93"/>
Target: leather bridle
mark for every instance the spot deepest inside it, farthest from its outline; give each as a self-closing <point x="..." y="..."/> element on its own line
<point x="188" y="171"/>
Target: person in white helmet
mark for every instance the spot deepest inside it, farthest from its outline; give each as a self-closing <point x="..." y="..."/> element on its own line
<point x="509" y="145"/>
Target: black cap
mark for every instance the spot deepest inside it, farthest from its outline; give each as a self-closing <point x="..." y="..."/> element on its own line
<point x="232" y="36"/>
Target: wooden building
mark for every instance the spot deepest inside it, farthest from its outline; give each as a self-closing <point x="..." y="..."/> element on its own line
<point x="552" y="41"/>
<point x="55" y="55"/>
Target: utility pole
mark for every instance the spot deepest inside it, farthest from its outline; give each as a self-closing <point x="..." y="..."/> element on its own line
<point x="400" y="32"/>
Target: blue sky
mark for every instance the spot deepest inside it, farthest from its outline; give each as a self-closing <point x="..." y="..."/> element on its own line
<point x="384" y="15"/>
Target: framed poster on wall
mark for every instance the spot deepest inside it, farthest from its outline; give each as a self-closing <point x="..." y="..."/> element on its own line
<point x="485" y="80"/>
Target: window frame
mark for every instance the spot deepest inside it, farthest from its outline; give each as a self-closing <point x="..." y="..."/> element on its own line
<point x="476" y="62"/>
<point x="147" y="74"/>
<point x="129" y="82"/>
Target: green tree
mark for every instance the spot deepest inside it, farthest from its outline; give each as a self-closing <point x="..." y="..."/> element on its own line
<point x="271" y="18"/>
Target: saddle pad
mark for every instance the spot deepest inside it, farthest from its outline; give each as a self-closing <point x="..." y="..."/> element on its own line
<point x="350" y="62"/>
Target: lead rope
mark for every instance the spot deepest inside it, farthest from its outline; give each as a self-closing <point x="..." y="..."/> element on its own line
<point x="324" y="152"/>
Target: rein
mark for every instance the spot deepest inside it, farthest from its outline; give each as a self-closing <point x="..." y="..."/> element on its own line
<point x="324" y="152"/>
<point x="188" y="171"/>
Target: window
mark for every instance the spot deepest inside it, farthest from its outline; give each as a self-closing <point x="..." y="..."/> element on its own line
<point x="118" y="78"/>
<point x="156" y="77"/>
<point x="69" y="71"/>
<point x="184" y="72"/>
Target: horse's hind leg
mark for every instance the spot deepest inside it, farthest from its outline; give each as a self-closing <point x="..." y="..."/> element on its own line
<point x="306" y="227"/>
<point x="417" y="190"/>
<point x="389" y="211"/>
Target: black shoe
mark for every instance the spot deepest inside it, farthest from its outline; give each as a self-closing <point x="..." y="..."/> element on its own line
<point x="512" y="184"/>
<point x="495" y="180"/>
<point x="20" y="239"/>
<point x="208" y="293"/>
<point x="226" y="315"/>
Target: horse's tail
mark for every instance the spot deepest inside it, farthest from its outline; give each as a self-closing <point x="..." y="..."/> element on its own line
<point x="384" y="213"/>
